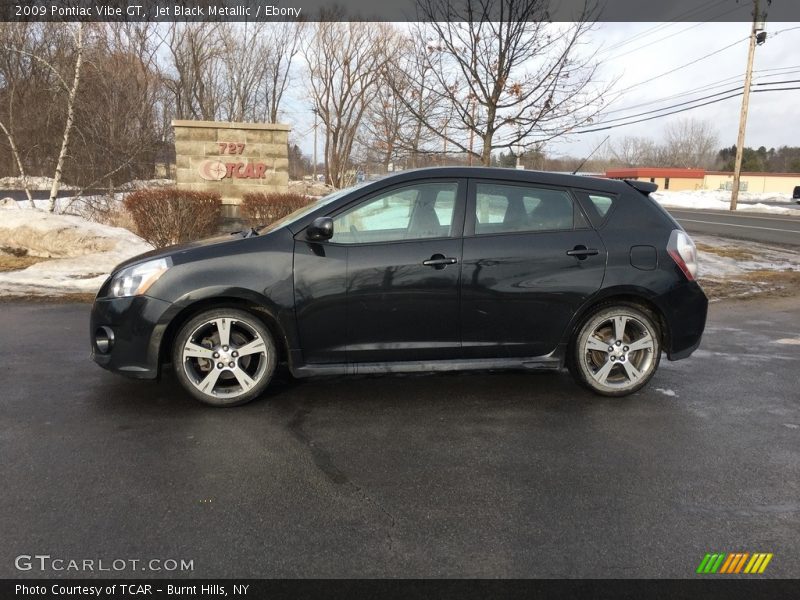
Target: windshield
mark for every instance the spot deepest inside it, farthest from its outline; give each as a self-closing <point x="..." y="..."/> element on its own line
<point x="302" y="212"/>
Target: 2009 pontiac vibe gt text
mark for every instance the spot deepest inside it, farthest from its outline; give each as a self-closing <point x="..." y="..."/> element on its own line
<point x="428" y="270"/>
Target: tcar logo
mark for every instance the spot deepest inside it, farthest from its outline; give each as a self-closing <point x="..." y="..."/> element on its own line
<point x="734" y="563"/>
<point x="216" y="170"/>
<point x="212" y="170"/>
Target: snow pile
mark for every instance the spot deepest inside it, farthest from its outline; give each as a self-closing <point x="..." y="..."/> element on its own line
<point x="727" y="258"/>
<point x="139" y="184"/>
<point x="83" y="252"/>
<point x="315" y="189"/>
<point x="721" y="200"/>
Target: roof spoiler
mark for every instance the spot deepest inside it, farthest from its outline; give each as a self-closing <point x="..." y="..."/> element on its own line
<point x="645" y="187"/>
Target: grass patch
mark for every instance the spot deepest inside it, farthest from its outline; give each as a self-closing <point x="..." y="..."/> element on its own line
<point x="787" y="278"/>
<point x="760" y="282"/>
<point x="71" y="298"/>
<point x="726" y="251"/>
<point x="9" y="262"/>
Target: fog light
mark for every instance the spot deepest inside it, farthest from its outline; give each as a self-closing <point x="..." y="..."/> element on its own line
<point x="103" y="339"/>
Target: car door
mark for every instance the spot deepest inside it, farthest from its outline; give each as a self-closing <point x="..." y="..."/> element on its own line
<point x="385" y="287"/>
<point x="530" y="260"/>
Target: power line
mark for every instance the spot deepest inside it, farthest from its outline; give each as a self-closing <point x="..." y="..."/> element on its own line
<point x="655" y="110"/>
<point x="683" y="66"/>
<point x="738" y="88"/>
<point x="704" y="88"/>
<point x="672" y="35"/>
<point x="717" y="84"/>
<point x="661" y="26"/>
<point x="674" y="112"/>
<point x="776" y="33"/>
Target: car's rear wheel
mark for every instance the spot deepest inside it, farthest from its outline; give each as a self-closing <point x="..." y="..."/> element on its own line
<point x="617" y="350"/>
<point x="224" y="357"/>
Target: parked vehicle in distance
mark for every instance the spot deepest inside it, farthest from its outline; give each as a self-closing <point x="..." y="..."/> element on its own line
<point x="428" y="270"/>
<point x="796" y="194"/>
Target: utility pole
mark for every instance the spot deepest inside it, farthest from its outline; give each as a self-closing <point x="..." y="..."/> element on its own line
<point x="758" y="26"/>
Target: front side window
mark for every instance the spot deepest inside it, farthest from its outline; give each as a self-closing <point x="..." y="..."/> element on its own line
<point x="413" y="212"/>
<point x="515" y="208"/>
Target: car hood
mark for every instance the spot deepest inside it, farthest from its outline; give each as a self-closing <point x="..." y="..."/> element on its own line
<point x="178" y="250"/>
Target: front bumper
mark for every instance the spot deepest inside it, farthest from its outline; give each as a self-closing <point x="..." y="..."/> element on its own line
<point x="138" y="325"/>
<point x="685" y="308"/>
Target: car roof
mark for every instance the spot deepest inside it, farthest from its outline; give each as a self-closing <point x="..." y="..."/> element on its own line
<point x="515" y="175"/>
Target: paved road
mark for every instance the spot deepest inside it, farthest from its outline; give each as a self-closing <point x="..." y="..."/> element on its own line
<point x="511" y="475"/>
<point x="758" y="227"/>
<point x="21" y="196"/>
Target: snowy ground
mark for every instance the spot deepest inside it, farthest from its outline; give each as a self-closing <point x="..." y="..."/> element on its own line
<point x="721" y="200"/>
<point x="46" y="183"/>
<point x="732" y="268"/>
<point x="81" y="253"/>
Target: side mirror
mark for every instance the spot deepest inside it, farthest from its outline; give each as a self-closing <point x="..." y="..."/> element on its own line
<point x="320" y="229"/>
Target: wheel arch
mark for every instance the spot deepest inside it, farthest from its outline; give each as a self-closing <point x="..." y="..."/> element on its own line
<point x="247" y="300"/>
<point x="627" y="295"/>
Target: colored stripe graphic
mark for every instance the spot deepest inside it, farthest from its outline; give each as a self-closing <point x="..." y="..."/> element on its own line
<point x="727" y="564"/>
<point x="758" y="563"/>
<point x="711" y="563"/>
<point x="703" y="563"/>
<point x="734" y="563"/>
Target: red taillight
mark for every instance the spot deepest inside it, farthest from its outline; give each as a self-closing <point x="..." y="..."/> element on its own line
<point x="681" y="249"/>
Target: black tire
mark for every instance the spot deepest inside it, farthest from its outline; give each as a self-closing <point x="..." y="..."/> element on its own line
<point x="616" y="367"/>
<point x="216" y="373"/>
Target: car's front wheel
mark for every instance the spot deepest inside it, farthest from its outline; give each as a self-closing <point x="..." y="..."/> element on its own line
<point x="617" y="350"/>
<point x="224" y="357"/>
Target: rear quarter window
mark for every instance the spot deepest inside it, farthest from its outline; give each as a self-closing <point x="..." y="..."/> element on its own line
<point x="597" y="205"/>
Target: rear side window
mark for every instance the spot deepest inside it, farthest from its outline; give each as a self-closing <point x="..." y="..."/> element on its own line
<point x="597" y="205"/>
<point x="503" y="208"/>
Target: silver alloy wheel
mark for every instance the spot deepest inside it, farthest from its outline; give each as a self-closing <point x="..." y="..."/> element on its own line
<point x="224" y="357"/>
<point x="619" y="354"/>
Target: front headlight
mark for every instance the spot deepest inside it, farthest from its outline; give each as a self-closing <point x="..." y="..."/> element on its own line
<point x="137" y="279"/>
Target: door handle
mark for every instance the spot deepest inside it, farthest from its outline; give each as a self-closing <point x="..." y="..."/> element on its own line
<point x="581" y="252"/>
<point x="439" y="261"/>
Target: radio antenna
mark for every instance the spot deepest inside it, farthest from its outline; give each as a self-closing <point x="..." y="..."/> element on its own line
<point x="583" y="162"/>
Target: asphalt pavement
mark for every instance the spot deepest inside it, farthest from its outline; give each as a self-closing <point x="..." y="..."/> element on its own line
<point x="462" y="475"/>
<point x="758" y="227"/>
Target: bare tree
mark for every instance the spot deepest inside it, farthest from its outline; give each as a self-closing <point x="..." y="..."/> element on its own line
<point x="31" y="55"/>
<point x="689" y="143"/>
<point x="119" y="114"/>
<point x="509" y="76"/>
<point x="196" y="54"/>
<point x="344" y="62"/>
<point x="20" y="166"/>
<point x="245" y="50"/>
<point x="406" y="80"/>
<point x="385" y="120"/>
<point x="230" y="71"/>
<point x="632" y="151"/>
<point x="284" y="38"/>
<point x="73" y="92"/>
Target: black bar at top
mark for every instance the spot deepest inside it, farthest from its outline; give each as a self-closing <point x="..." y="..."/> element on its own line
<point x="387" y="10"/>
